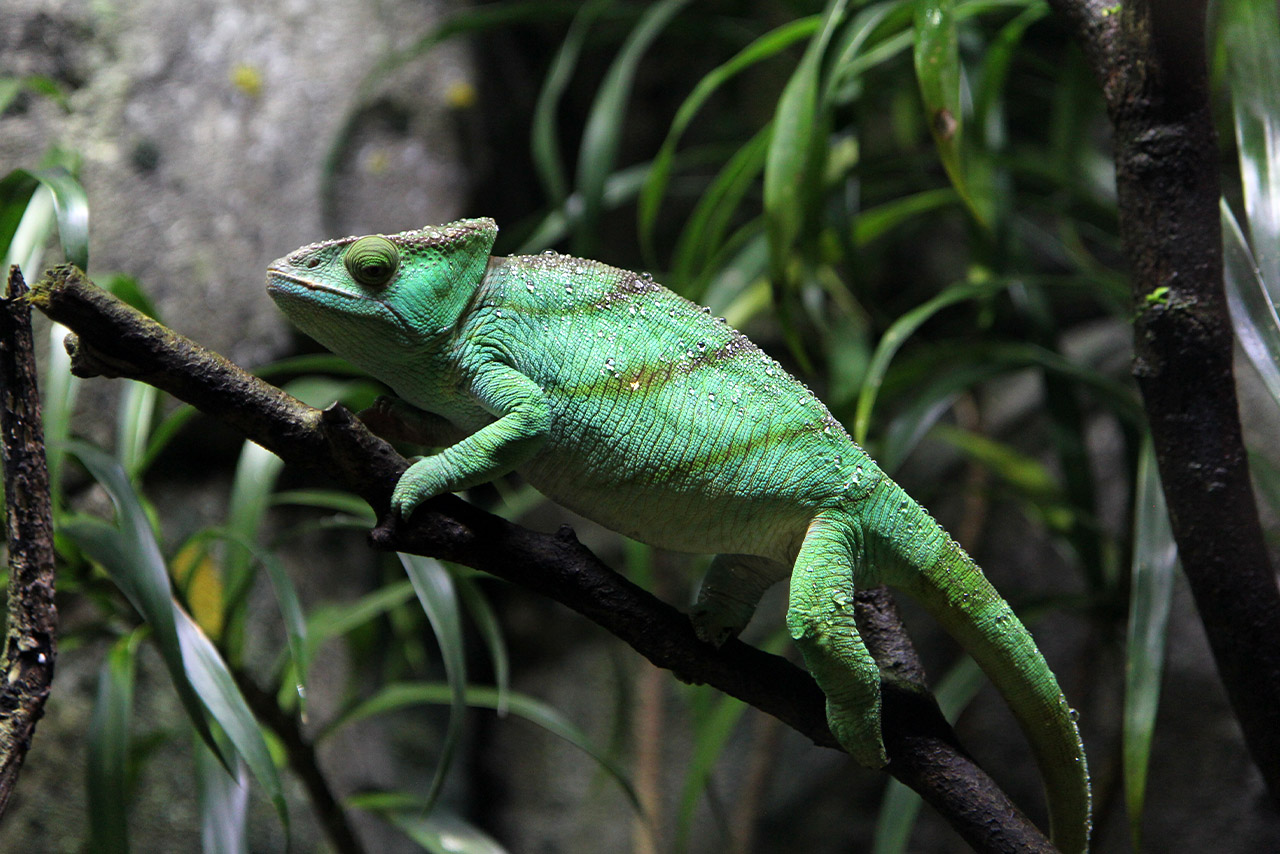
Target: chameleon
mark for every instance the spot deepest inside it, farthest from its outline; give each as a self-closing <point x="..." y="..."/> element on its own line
<point x="634" y="407"/>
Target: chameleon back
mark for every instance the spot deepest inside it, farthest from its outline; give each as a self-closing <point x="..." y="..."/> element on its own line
<point x="655" y="398"/>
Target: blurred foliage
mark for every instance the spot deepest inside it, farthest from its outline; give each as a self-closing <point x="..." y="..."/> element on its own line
<point x="911" y="200"/>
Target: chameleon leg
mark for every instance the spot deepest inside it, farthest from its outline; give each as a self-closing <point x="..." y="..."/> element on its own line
<point x="820" y="620"/>
<point x="730" y="592"/>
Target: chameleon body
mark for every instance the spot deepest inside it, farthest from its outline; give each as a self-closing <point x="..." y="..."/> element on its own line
<point x="634" y="407"/>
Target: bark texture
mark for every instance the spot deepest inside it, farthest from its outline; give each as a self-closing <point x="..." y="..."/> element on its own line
<point x="31" y="638"/>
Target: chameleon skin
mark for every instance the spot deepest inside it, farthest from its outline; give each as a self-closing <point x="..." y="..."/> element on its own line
<point x="634" y="407"/>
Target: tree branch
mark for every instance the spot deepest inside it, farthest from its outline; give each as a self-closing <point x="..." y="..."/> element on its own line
<point x="1151" y="62"/>
<point x="114" y="340"/>
<point x="31" y="639"/>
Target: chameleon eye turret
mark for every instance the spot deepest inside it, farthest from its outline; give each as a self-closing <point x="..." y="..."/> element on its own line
<point x="372" y="260"/>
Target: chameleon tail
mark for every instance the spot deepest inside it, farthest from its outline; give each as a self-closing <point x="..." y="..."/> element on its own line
<point x="947" y="582"/>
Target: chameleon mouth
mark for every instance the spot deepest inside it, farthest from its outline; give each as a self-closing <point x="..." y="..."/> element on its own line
<point x="282" y="283"/>
<point x="277" y="276"/>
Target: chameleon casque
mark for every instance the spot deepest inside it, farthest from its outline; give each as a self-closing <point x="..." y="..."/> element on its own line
<point x="634" y="407"/>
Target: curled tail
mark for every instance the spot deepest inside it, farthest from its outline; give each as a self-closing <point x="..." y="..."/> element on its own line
<point x="932" y="567"/>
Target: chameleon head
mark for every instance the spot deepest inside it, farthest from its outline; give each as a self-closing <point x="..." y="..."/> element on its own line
<point x="370" y="297"/>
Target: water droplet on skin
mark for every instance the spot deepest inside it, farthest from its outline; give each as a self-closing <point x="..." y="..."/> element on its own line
<point x="706" y="309"/>
<point x="549" y="253"/>
<point x="568" y="289"/>
<point x="711" y="396"/>
<point x="648" y="277"/>
<point x="498" y="312"/>
<point x="702" y="346"/>
<point x="769" y="371"/>
<point x="608" y="364"/>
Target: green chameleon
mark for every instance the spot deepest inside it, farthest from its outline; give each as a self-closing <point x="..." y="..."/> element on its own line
<point x="631" y="405"/>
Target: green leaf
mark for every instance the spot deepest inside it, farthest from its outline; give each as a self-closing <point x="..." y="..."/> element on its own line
<point x="133" y="424"/>
<point x="70" y="209"/>
<point x="441" y="832"/>
<point x="1250" y="31"/>
<point x="131" y="556"/>
<point x="702" y="239"/>
<point x="333" y="621"/>
<point x="399" y="695"/>
<point x="599" y="149"/>
<point x="899" y="332"/>
<point x="107" y="753"/>
<point x="791" y="165"/>
<point x="545" y="144"/>
<point x="1253" y="313"/>
<point x="435" y="589"/>
<point x="217" y="689"/>
<point x="256" y="473"/>
<point x="937" y="63"/>
<point x="762" y="48"/>
<point x="327" y="499"/>
<point x="874" y="223"/>
<point x="486" y="622"/>
<point x="224" y="804"/>
<point x="711" y="735"/>
<point x="1155" y="558"/>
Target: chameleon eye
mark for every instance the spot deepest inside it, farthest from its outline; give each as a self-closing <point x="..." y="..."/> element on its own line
<point x="372" y="261"/>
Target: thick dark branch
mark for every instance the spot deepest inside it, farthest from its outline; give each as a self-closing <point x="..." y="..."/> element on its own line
<point x="31" y="638"/>
<point x="922" y="748"/>
<point x="1168" y="186"/>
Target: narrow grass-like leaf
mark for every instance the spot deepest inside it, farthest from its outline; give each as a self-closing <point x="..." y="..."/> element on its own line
<point x="899" y="332"/>
<point x="764" y="47"/>
<point x="544" y="140"/>
<point x="129" y="552"/>
<point x="435" y="589"/>
<point x="937" y="63"/>
<point x="334" y="621"/>
<point x="402" y="694"/>
<point x="486" y="622"/>
<point x="11" y="87"/>
<point x="599" y="150"/>
<point x="164" y="433"/>
<point x="217" y="689"/>
<point x="1155" y="558"/>
<point x="790" y="165"/>
<point x="703" y="234"/>
<point x="1253" y="313"/>
<point x="327" y="499"/>
<point x="107" y="748"/>
<point x="224" y="805"/>
<point x="133" y="424"/>
<point x="255" y="478"/>
<point x="441" y="832"/>
<point x="61" y="388"/>
<point x="70" y="207"/>
<point x="620" y="187"/>
<point x="873" y="223"/>
<point x="1250" y="31"/>
<point x="711" y="735"/>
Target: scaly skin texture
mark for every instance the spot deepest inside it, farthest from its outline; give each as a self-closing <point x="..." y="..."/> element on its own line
<point x="636" y="408"/>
